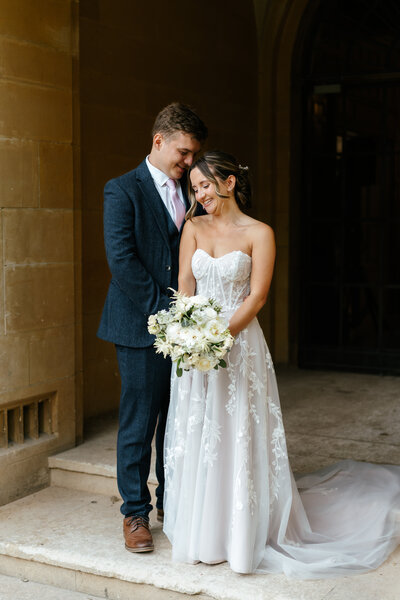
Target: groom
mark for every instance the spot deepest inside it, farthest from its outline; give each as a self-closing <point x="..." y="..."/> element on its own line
<point x="143" y="217"/>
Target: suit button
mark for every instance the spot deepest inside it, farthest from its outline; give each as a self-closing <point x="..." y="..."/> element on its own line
<point x="167" y="267"/>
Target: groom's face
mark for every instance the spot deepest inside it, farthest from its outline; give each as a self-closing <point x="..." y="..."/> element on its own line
<point x="174" y="154"/>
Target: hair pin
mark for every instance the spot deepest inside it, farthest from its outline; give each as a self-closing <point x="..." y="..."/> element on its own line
<point x="243" y="168"/>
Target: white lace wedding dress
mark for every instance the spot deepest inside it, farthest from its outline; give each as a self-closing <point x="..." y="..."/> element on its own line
<point x="230" y="494"/>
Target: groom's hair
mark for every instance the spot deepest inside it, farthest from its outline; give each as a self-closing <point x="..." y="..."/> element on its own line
<point x="178" y="117"/>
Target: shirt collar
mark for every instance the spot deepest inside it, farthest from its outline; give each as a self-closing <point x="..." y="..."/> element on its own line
<point x="159" y="176"/>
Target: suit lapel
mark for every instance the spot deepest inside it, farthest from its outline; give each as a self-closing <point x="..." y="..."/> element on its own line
<point x="155" y="203"/>
<point x="152" y="199"/>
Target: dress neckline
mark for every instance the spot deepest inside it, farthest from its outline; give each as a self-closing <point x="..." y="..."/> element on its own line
<point x="223" y="255"/>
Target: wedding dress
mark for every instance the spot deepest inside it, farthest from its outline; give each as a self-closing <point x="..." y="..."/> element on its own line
<point x="229" y="492"/>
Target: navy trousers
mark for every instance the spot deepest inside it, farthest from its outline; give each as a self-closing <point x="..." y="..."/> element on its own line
<point x="145" y="386"/>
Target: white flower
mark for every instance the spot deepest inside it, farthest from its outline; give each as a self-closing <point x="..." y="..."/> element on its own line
<point x="205" y="363"/>
<point x="199" y="300"/>
<point x="228" y="342"/>
<point x="182" y="304"/>
<point x="173" y="330"/>
<point x="163" y="317"/>
<point x="215" y="330"/>
<point x="152" y="325"/>
<point x="210" y="313"/>
<point x="162" y="347"/>
<point x="191" y="336"/>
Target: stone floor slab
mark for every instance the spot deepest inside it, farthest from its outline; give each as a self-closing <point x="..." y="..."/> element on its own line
<point x="81" y="532"/>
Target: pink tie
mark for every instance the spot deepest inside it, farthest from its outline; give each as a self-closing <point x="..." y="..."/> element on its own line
<point x="177" y="203"/>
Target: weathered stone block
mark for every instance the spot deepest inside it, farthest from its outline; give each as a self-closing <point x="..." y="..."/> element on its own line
<point x="56" y="176"/>
<point x="14" y="362"/>
<point x="46" y="22"/>
<point x="18" y="173"/>
<point x="34" y="112"/>
<point x="23" y="477"/>
<point x="39" y="296"/>
<point x="35" y="63"/>
<point x="51" y="354"/>
<point x="36" y="235"/>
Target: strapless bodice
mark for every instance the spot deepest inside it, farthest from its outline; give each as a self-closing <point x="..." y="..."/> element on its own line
<point x="226" y="278"/>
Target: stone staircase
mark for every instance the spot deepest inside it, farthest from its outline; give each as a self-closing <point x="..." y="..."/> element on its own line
<point x="69" y="537"/>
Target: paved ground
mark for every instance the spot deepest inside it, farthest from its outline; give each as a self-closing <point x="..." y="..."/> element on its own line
<point x="330" y="416"/>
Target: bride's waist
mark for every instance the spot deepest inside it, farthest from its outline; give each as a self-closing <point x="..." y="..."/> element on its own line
<point x="228" y="303"/>
<point x="229" y="309"/>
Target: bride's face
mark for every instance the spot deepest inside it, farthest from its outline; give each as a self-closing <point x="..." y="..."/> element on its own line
<point x="206" y="194"/>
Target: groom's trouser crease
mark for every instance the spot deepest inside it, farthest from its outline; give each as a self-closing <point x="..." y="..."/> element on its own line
<point x="144" y="398"/>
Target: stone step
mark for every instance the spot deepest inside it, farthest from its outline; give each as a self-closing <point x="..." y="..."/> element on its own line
<point x="92" y="465"/>
<point x="14" y="588"/>
<point x="72" y="539"/>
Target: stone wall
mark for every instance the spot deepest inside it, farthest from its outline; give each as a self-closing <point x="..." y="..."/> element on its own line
<point x="37" y="244"/>
<point x="135" y="58"/>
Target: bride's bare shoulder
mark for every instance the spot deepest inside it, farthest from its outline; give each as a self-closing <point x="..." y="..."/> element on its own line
<point x="260" y="235"/>
<point x="259" y="227"/>
<point x="199" y="221"/>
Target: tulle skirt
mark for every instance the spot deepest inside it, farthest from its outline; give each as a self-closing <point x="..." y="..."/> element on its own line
<point x="230" y="494"/>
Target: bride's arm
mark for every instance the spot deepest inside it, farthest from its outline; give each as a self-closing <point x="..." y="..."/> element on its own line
<point x="186" y="280"/>
<point x="263" y="259"/>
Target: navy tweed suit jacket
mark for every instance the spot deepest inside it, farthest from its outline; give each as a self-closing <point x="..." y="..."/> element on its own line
<point x="142" y="247"/>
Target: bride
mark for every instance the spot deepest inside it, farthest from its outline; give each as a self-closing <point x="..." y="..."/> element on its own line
<point x="229" y="491"/>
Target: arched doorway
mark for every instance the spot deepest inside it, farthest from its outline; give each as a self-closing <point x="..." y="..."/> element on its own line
<point x="349" y="271"/>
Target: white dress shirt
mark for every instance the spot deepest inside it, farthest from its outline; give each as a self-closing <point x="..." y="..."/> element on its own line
<point x="160" y="181"/>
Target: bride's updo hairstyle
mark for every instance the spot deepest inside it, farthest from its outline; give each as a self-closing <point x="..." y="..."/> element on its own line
<point x="216" y="165"/>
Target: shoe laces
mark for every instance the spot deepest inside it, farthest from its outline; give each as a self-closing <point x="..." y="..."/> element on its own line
<point x="136" y="522"/>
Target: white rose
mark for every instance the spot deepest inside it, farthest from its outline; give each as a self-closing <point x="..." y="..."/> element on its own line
<point x="199" y="300"/>
<point x="173" y="331"/>
<point x="215" y="330"/>
<point x="210" y="313"/>
<point x="204" y="364"/>
<point x="191" y="336"/>
<point x="203" y="314"/>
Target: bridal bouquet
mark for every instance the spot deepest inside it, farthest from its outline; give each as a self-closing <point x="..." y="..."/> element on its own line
<point x="192" y="332"/>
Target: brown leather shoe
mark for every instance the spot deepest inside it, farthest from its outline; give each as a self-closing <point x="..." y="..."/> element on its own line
<point x="160" y="515"/>
<point x="137" y="535"/>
